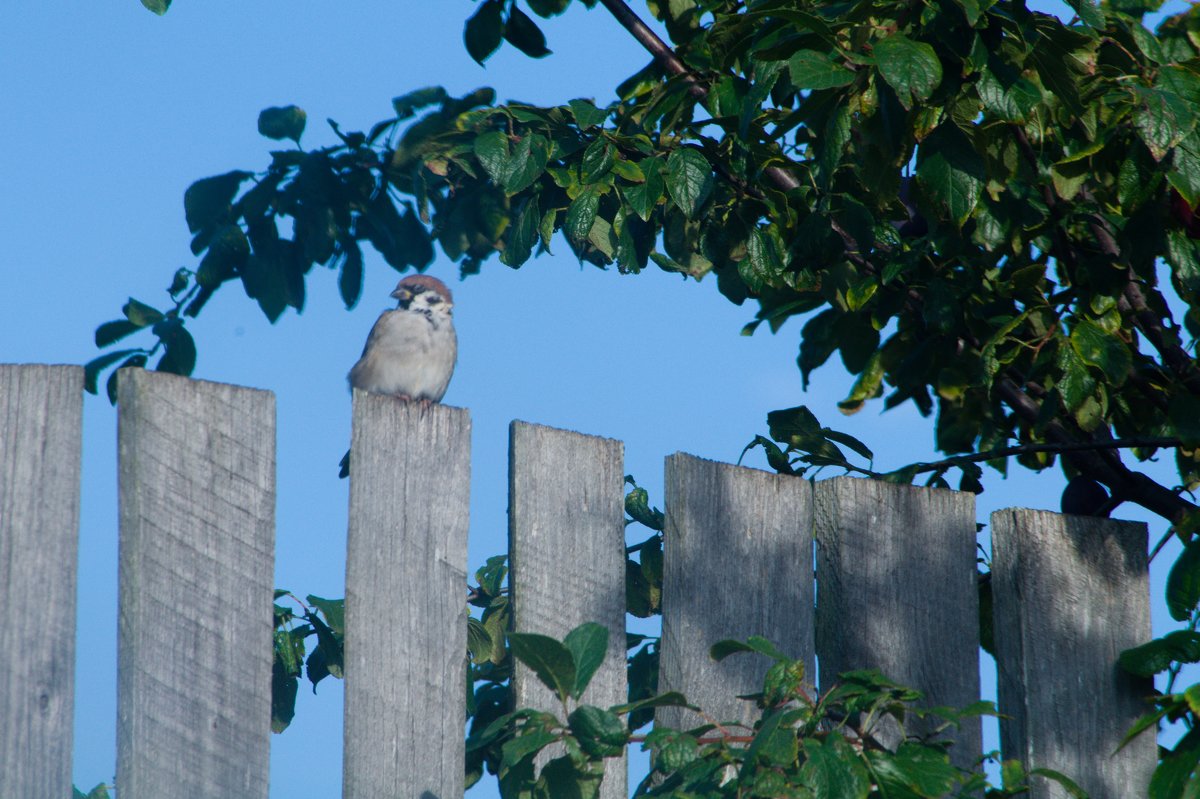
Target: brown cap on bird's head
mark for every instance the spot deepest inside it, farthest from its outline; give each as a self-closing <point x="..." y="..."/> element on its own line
<point x="415" y="284"/>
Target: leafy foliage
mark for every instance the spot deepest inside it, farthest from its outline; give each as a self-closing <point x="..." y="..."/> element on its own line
<point x="986" y="211"/>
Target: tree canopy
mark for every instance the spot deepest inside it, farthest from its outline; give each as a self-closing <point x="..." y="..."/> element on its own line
<point x="984" y="210"/>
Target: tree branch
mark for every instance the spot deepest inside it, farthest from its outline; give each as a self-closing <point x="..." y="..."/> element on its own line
<point x="783" y="180"/>
<point x="1096" y="458"/>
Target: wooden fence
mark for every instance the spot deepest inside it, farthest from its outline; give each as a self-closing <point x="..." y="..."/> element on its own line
<point x="895" y="589"/>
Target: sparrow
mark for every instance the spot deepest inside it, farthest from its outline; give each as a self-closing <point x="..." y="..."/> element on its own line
<point x="411" y="351"/>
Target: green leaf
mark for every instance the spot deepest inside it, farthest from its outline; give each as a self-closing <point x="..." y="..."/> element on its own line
<point x="350" y="274"/>
<point x="522" y="235"/>
<point x="157" y="6"/>
<point x="1089" y="13"/>
<point x="1103" y="350"/>
<point x="1070" y="786"/>
<point x="600" y="733"/>
<point x="811" y="69"/>
<point x="669" y="699"/>
<point x="208" y="201"/>
<point x="637" y="507"/>
<point x="1174" y="777"/>
<point x="1163" y="119"/>
<point x="492" y="151"/>
<point x="523" y="33"/>
<point x="524" y="746"/>
<point x="93" y="368"/>
<point x="1184" y="174"/>
<point x="1183" y="582"/>
<point x="950" y="171"/>
<point x="689" y="180"/>
<point x="832" y="769"/>
<point x="1184" y="413"/>
<point x="550" y="660"/>
<point x="911" y="68"/>
<point x="1182" y="646"/>
<point x="587" y="643"/>
<point x="643" y="197"/>
<point x="764" y="263"/>
<point x="479" y="642"/>
<point x="141" y="314"/>
<point x="484" y="30"/>
<point x="408" y="104"/>
<point x="527" y="163"/>
<point x="581" y="215"/>
<point x="597" y="161"/>
<point x="755" y="643"/>
<point x="913" y="770"/>
<point x="137" y="361"/>
<point x="116" y="330"/>
<point x="586" y="114"/>
<point x="180" y="355"/>
<point x="1076" y="383"/>
<point x="284" y="122"/>
<point x="548" y="8"/>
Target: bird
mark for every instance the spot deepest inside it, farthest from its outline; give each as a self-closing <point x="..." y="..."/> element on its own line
<point x="411" y="351"/>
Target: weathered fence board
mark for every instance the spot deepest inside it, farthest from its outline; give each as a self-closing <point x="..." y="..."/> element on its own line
<point x="41" y="410"/>
<point x="406" y="571"/>
<point x="567" y="557"/>
<point x="897" y="592"/>
<point x="737" y="561"/>
<point x="1070" y="593"/>
<point x="197" y="512"/>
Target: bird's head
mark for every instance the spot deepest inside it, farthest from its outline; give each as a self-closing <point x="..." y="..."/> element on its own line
<point x="425" y="294"/>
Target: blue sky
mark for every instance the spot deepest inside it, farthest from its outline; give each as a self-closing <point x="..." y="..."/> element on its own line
<point x="111" y="112"/>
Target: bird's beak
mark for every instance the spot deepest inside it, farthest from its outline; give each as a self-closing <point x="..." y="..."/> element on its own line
<point x="399" y="294"/>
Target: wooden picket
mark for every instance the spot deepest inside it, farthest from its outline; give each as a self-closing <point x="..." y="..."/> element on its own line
<point x="894" y="589"/>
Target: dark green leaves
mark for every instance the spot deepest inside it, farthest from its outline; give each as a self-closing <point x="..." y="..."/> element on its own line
<point x="157" y="6"/>
<point x="1163" y="120"/>
<point x="950" y="171"/>
<point x="811" y="69"/>
<point x="581" y="215"/>
<point x="513" y="167"/>
<point x="565" y="668"/>
<point x="1183" y="583"/>
<point x="408" y="104"/>
<point x="484" y="30"/>
<point x="207" y="201"/>
<point x="286" y="122"/>
<point x="689" y="180"/>
<point x="1103" y="350"/>
<point x="911" y="68"/>
<point x="1180" y="646"/>
<point x="524" y="34"/>
<point x="600" y="733"/>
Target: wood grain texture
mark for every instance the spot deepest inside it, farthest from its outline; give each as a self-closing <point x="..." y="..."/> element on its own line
<point x="1070" y="593"/>
<point x="406" y="572"/>
<point x="41" y="410"/>
<point x="197" y="553"/>
<point x="567" y="558"/>
<point x="737" y="561"/>
<point x="896" y="591"/>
